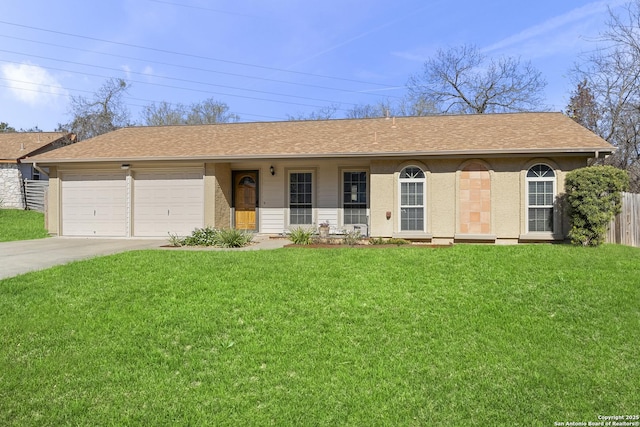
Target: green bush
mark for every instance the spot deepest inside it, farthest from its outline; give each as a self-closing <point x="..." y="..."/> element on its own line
<point x="397" y="241"/>
<point x="232" y="238"/>
<point x="301" y="236"/>
<point x="593" y="197"/>
<point x="391" y="241"/>
<point x="377" y="241"/>
<point x="209" y="236"/>
<point x="201" y="237"/>
<point x="352" y="237"/>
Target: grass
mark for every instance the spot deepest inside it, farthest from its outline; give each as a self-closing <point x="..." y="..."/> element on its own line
<point x="16" y="224"/>
<point x="469" y="335"/>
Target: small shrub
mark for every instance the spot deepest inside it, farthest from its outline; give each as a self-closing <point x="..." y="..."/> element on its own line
<point x="233" y="238"/>
<point x="175" y="240"/>
<point x="202" y="237"/>
<point x="209" y="236"/>
<point x="593" y="196"/>
<point x="377" y="241"/>
<point x="352" y="237"/>
<point x="398" y="241"/>
<point x="391" y="241"/>
<point x="301" y="236"/>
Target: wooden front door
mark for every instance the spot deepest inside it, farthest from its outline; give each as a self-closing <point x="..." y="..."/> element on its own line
<point x="245" y="196"/>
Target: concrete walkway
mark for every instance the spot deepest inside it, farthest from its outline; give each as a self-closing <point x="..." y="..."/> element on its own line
<point x="30" y="255"/>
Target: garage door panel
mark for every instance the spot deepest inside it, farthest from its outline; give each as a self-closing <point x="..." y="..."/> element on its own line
<point x="168" y="202"/>
<point x="94" y="204"/>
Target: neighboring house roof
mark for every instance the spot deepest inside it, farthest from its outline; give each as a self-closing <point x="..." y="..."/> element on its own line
<point x="15" y="146"/>
<point x="483" y="134"/>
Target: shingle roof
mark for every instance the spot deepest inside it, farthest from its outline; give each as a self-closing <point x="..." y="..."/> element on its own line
<point x="431" y="135"/>
<point x="16" y="145"/>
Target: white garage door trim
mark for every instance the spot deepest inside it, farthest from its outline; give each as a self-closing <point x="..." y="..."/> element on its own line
<point x="94" y="204"/>
<point x="167" y="201"/>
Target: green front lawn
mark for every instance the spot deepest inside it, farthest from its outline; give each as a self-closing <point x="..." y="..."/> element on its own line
<point x="16" y="224"/>
<point x="469" y="335"/>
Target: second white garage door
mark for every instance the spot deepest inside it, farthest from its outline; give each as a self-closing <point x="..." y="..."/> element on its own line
<point x="167" y="202"/>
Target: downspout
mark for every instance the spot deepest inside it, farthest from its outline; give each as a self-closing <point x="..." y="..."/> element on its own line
<point x="39" y="169"/>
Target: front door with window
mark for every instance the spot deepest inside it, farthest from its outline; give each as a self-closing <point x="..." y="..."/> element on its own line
<point x="245" y="198"/>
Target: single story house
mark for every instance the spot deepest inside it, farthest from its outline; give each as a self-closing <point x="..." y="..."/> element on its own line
<point x="486" y="178"/>
<point x="14" y="147"/>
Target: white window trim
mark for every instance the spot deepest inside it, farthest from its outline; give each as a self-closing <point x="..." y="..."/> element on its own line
<point x="341" y="190"/>
<point x="424" y="201"/>
<point x="313" y="197"/>
<point x="541" y="235"/>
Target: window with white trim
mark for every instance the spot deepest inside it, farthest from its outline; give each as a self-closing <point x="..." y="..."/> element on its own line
<point x="354" y="197"/>
<point x="541" y="182"/>
<point x="300" y="198"/>
<point x="412" y="199"/>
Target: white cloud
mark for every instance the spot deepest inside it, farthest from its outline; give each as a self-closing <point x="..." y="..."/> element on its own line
<point x="32" y="84"/>
<point x="557" y="33"/>
<point x="127" y="71"/>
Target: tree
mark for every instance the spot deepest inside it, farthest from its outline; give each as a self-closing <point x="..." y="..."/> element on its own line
<point x="4" y="127"/>
<point x="583" y="107"/>
<point x="464" y="80"/>
<point x="208" y="111"/>
<point x="322" y="113"/>
<point x="405" y="106"/>
<point x="104" y="112"/>
<point x="365" y="111"/>
<point x="593" y="196"/>
<point x="612" y="74"/>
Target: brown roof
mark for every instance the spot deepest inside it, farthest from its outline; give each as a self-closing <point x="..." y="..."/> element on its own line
<point x="432" y="135"/>
<point x="17" y="145"/>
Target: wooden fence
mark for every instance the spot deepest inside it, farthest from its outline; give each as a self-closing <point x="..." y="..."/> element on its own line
<point x="34" y="194"/>
<point x="625" y="227"/>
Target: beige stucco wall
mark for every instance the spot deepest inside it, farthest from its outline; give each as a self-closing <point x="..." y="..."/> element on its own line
<point x="508" y="192"/>
<point x="53" y="202"/>
<point x="508" y="189"/>
<point x="222" y="195"/>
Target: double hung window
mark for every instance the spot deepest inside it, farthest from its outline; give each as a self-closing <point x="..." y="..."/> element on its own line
<point x="354" y="197"/>
<point x="412" y="199"/>
<point x="540" y="198"/>
<point x="300" y="198"/>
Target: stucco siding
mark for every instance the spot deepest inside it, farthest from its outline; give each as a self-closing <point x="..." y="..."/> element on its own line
<point x="443" y="201"/>
<point x="53" y="203"/>
<point x="222" y="196"/>
<point x="382" y="197"/>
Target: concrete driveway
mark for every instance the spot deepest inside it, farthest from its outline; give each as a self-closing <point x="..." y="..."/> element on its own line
<point x="30" y="255"/>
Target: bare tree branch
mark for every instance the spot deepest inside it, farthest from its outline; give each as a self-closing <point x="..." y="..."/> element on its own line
<point x="463" y="80"/>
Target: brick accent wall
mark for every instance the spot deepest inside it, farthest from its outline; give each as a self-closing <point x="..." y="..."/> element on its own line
<point x="475" y="200"/>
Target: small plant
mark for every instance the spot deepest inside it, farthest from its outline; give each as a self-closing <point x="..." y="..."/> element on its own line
<point x="233" y="238"/>
<point x="209" y="236"/>
<point x="301" y="236"/>
<point x="377" y="241"/>
<point x="202" y="237"/>
<point x="175" y="240"/>
<point x="352" y="237"/>
<point x="397" y="241"/>
<point x="391" y="241"/>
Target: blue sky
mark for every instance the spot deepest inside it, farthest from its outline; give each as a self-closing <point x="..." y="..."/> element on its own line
<point x="269" y="59"/>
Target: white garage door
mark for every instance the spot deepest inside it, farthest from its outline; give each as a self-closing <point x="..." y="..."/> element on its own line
<point x="94" y="204"/>
<point x="167" y="202"/>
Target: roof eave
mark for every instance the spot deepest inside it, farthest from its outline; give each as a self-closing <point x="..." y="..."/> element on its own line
<point x="590" y="151"/>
